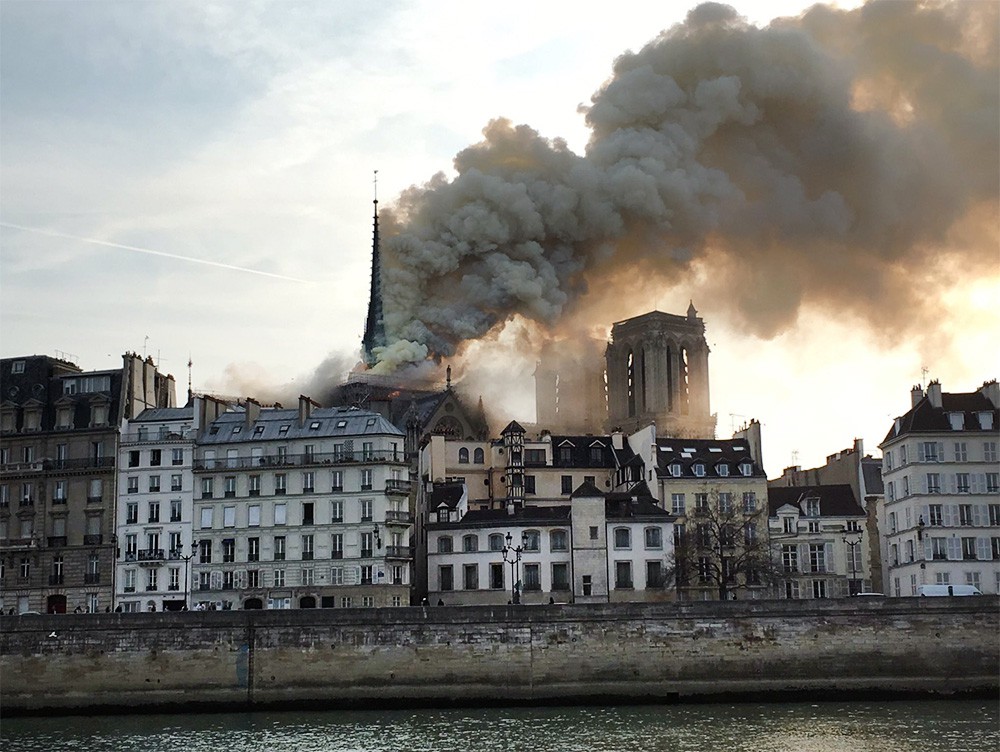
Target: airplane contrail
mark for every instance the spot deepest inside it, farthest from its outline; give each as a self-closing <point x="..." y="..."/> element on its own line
<point x="151" y="252"/>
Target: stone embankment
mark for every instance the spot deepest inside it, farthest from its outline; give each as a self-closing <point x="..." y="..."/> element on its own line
<point x="489" y="655"/>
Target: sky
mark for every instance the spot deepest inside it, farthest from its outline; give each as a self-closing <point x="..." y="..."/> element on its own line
<point x="195" y="180"/>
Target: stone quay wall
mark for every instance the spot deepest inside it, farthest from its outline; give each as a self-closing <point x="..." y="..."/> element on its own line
<point x="377" y="658"/>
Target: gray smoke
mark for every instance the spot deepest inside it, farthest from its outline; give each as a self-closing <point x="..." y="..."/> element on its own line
<point x="826" y="160"/>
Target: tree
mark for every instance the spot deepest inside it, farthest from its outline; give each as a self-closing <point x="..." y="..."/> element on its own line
<point x="722" y="544"/>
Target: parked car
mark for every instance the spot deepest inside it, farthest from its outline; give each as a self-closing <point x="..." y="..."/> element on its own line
<point x="946" y="590"/>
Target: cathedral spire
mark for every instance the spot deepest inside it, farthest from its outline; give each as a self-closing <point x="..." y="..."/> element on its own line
<point x="374" y="325"/>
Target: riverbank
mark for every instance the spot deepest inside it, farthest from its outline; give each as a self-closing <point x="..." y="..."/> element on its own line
<point x="516" y="655"/>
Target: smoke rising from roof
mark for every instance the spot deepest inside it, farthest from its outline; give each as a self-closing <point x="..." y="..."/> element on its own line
<point x="828" y="160"/>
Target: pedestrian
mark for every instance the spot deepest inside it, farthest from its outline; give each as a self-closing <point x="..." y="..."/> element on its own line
<point x="77" y="610"/>
<point x="440" y="602"/>
<point x="422" y="603"/>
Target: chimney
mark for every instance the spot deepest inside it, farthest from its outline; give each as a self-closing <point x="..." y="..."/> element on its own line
<point x="252" y="411"/>
<point x="617" y="439"/>
<point x="916" y="394"/>
<point x="305" y="409"/>
<point x="991" y="391"/>
<point x="934" y="393"/>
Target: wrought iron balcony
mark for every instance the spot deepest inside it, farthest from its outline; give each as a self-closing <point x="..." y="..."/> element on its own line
<point x="150" y="556"/>
<point x="55" y="579"/>
<point x="398" y="552"/>
<point x="57" y="541"/>
<point x="403" y="518"/>
<point x="91" y="578"/>
<point x="93" y="540"/>
<point x="202" y="464"/>
<point x="397" y="486"/>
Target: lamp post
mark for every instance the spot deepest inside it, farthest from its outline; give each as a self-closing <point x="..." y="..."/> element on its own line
<point x="512" y="555"/>
<point x="187" y="572"/>
<point x="853" y="539"/>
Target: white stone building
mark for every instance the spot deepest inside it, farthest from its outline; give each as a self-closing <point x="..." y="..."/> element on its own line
<point x="817" y="536"/>
<point x="942" y="491"/>
<point x="301" y="508"/>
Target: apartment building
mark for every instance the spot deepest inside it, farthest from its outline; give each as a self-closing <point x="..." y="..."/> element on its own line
<point x="942" y="491"/>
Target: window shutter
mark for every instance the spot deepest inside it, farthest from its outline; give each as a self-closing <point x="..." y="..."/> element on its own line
<point x="216" y="580"/>
<point x="830" y="565"/>
<point x="954" y="549"/>
<point x="920" y="451"/>
<point x="977" y="484"/>
<point x="983" y="552"/>
<point x="950" y="515"/>
<point x="940" y="451"/>
<point x="978" y="515"/>
<point x="240" y="579"/>
<point x="804" y="562"/>
<point x="952" y="483"/>
<point x="925" y="511"/>
<point x="928" y="552"/>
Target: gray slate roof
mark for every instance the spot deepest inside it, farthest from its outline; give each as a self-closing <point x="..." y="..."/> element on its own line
<point x="323" y="422"/>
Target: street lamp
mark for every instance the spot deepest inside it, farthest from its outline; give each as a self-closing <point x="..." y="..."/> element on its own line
<point x="512" y="555"/>
<point x="187" y="571"/>
<point x="853" y="539"/>
<point x="378" y="538"/>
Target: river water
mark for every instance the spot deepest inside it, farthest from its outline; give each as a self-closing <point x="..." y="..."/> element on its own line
<point x="920" y="726"/>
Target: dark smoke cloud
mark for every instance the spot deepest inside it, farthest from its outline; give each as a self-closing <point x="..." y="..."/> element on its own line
<point x="824" y="160"/>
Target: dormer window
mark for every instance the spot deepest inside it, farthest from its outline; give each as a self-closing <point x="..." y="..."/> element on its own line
<point x="746" y="469"/>
<point x="957" y="421"/>
<point x="722" y="470"/>
<point x="675" y="469"/>
<point x="699" y="470"/>
<point x="812" y="507"/>
<point x="64" y="416"/>
<point x="986" y="421"/>
<point x="32" y="419"/>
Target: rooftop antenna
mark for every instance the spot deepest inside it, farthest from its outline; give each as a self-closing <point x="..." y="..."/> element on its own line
<point x="795" y="457"/>
<point x="144" y="343"/>
<point x="924" y="370"/>
<point x="732" y="420"/>
<point x="190" y="390"/>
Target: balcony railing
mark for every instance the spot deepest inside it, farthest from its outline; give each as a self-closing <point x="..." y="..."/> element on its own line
<point x="150" y="555"/>
<point x="58" y="500"/>
<point x="398" y="552"/>
<point x="34" y="466"/>
<point x="57" y="541"/>
<point x="81" y="463"/>
<point x="367" y="553"/>
<point x="396" y="485"/>
<point x="133" y="437"/>
<point x="398" y="516"/>
<point x="27" y="502"/>
<point x="55" y="579"/>
<point x="93" y="540"/>
<point x="298" y="460"/>
<point x="91" y="578"/>
<point x="173" y="588"/>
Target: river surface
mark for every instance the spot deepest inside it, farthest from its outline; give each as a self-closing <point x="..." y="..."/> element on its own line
<point x="901" y="726"/>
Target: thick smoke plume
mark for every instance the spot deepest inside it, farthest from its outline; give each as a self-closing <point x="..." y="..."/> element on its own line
<point x="827" y="160"/>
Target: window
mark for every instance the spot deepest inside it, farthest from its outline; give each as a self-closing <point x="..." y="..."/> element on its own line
<point x="470" y="577"/>
<point x="308" y="548"/>
<point x="228" y="551"/>
<point x="531" y="540"/>
<point x="446" y="577"/>
<point x="131" y="512"/>
<point x="253" y="515"/>
<point x="496" y="542"/>
<point x="813" y="527"/>
<point x="939" y="548"/>
<point x="701" y="503"/>
<point x="366" y="479"/>
<point x="133" y="484"/>
<point x="176" y="482"/>
<point x="790" y="558"/>
<point x="812" y="507"/>
<point x="529" y="484"/>
<point x="308" y="482"/>
<point x="307" y="513"/>
<point x="928" y="451"/>
<point x="677" y="504"/>
<point x="205" y="552"/>
<point x="532" y="578"/>
<point x="746" y="469"/>
<point x="463" y="456"/>
<point x="819" y="588"/>
<point x="749" y="502"/>
<point x="280" y="484"/>
<point x="253" y="578"/>
<point x="229" y="516"/>
<point x="791" y="589"/>
<point x="176" y="456"/>
<point x="206" y="518"/>
<point x="962" y="482"/>
<point x="596" y="456"/>
<point x="336" y="511"/>
<point x="253" y="549"/>
<point x="593" y="532"/>
<point x="230" y="486"/>
<point x="623" y="574"/>
<point x="654" y="574"/>
<point x="337" y="480"/>
<point x="133" y="458"/>
<point x="25" y="568"/>
<point x="565" y="455"/>
<point x="990" y="451"/>
<point x="965" y="514"/>
<point x="817" y="557"/>
<point x="623" y="537"/>
<point x="337" y="546"/>
<point x="479" y="457"/>
<point x="722" y="470"/>
<point x="699" y="470"/>
<point x="279" y="548"/>
<point x="444" y="544"/>
<point x="558" y="540"/>
<point x="280" y="513"/>
<point x="725" y="503"/>
<point x="207" y="487"/>
<point x="566" y="484"/>
<point x="654" y="537"/>
<point x="154" y="457"/>
<point x="470" y="543"/>
<point x="366" y="510"/>
<point x="496" y="576"/>
<point x="279" y="578"/>
<point x="675" y="469"/>
<point x="961" y="452"/>
<point x="992" y="482"/>
<point x="934" y="512"/>
<point x="154" y="512"/>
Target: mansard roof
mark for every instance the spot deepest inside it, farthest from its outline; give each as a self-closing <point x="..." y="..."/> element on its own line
<point x="281" y="423"/>
<point x="526" y="515"/>
<point x="580" y="452"/>
<point x="447" y="493"/>
<point x="709" y="452"/>
<point x="926" y="418"/>
<point x="834" y="500"/>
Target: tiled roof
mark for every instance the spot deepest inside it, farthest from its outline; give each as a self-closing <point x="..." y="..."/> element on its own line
<point x="709" y="452"/>
<point x="448" y="494"/>
<point x="586" y="490"/>
<point x="280" y="423"/>
<point x="528" y="515"/>
<point x="834" y="500"/>
<point x="927" y="418"/>
<point x="580" y="452"/>
<point x="512" y="427"/>
<point x="156" y="414"/>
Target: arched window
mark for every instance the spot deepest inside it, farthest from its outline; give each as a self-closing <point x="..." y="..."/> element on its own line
<point x="444" y="544"/>
<point x="558" y="540"/>
<point x="623" y="537"/>
<point x="496" y="542"/>
<point x="470" y="543"/>
<point x="654" y="537"/>
<point x="479" y="457"/>
<point x="463" y="456"/>
<point x="531" y="540"/>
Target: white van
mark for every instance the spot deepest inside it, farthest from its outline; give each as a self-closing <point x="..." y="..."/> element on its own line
<point x="946" y="590"/>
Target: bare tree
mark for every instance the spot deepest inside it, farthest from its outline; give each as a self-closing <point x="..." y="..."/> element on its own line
<point x="723" y="545"/>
